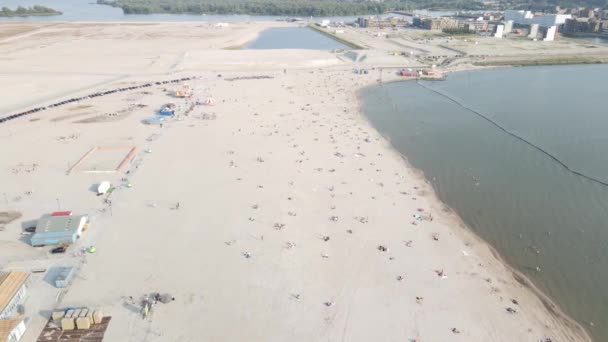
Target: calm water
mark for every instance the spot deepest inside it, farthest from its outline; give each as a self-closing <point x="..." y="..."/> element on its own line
<point x="88" y="10"/>
<point x="596" y="40"/>
<point x="433" y="13"/>
<point x="522" y="201"/>
<point x="592" y="39"/>
<point x="293" y="38"/>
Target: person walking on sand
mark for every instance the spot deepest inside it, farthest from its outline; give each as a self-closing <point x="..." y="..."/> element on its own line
<point x="177" y="205"/>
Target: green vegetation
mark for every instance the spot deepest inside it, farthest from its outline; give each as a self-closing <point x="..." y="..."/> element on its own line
<point x="469" y="5"/>
<point x="549" y="60"/>
<point x="458" y="31"/>
<point x="253" y="7"/>
<point x="336" y="37"/>
<point x="320" y="8"/>
<point x="28" y="11"/>
<point x="301" y="8"/>
<point x="549" y="5"/>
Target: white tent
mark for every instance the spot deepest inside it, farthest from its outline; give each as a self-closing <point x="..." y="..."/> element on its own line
<point x="103" y="187"/>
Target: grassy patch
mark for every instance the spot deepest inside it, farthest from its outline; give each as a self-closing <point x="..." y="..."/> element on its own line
<point x="554" y="60"/>
<point x="336" y="38"/>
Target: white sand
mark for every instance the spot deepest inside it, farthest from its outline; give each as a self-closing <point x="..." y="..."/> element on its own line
<point x="297" y="148"/>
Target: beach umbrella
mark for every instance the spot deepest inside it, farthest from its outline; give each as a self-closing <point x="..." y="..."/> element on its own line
<point x="210" y="102"/>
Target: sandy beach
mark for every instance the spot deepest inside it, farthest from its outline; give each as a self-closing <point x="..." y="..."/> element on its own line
<point x="276" y="214"/>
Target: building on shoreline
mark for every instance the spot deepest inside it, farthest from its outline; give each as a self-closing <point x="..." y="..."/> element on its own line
<point x="381" y="22"/>
<point x="520" y="17"/>
<point x="461" y="23"/>
<point x="586" y="25"/>
<point x="438" y="23"/>
<point x="550" y="34"/>
<point x="499" y="31"/>
<point x="534" y="25"/>
<point x="533" y="31"/>
<point x="478" y="26"/>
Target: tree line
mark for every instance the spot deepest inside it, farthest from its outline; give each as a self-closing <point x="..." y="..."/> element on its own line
<point x="302" y="8"/>
<point x="320" y="8"/>
<point x="317" y="8"/>
<point x="27" y="11"/>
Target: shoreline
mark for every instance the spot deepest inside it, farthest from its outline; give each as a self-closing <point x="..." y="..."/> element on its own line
<point x="570" y="60"/>
<point x="465" y="232"/>
<point x="31" y="15"/>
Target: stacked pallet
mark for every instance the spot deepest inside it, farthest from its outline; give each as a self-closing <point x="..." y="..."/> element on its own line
<point x="81" y="319"/>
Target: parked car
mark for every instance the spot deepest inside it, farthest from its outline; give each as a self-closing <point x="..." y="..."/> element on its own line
<point x="58" y="250"/>
<point x="30" y="229"/>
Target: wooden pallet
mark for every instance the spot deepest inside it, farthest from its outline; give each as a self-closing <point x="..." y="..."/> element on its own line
<point x="52" y="333"/>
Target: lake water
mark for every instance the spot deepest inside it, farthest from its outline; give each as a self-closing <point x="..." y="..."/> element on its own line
<point x="293" y="38"/>
<point x="592" y="39"/>
<point x="88" y="10"/>
<point x="596" y="40"/>
<point x="433" y="13"/>
<point x="524" y="198"/>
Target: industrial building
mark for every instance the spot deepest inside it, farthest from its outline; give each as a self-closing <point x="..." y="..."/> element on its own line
<point x="508" y="26"/>
<point x="585" y="25"/>
<point x="438" y="23"/>
<point x="586" y="20"/>
<point x="58" y="228"/>
<point x="447" y="24"/>
<point x="378" y="22"/>
<point x="533" y="31"/>
<point x="478" y="26"/>
<point x="528" y="18"/>
<point x="550" y="34"/>
<point x="499" y="31"/>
